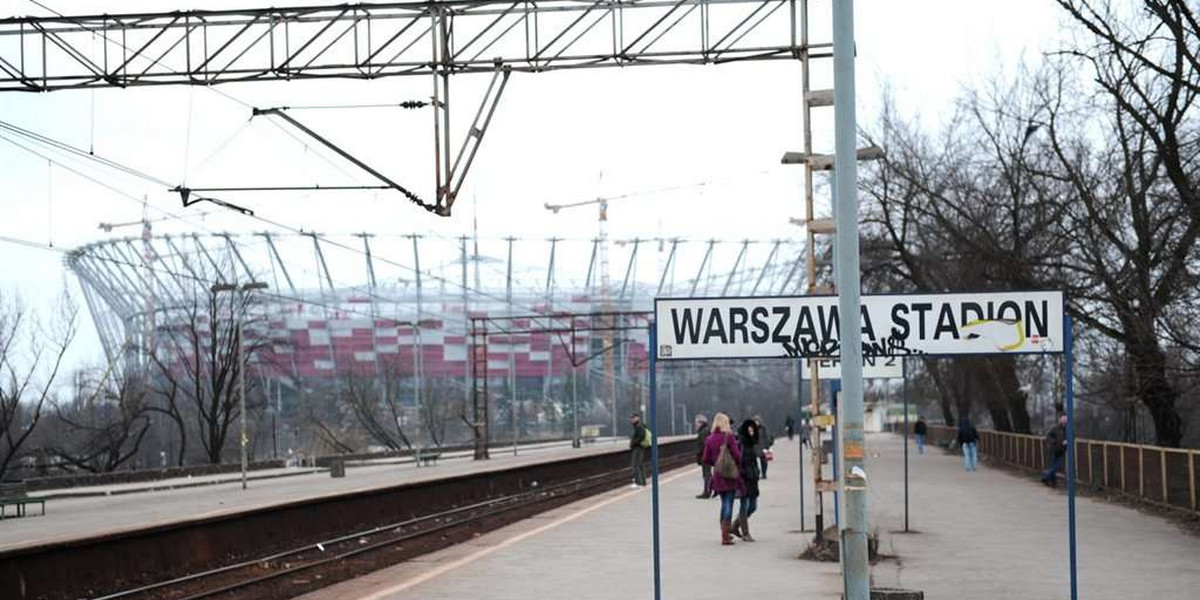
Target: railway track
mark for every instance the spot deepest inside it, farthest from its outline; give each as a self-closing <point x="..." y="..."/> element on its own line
<point x="298" y="570"/>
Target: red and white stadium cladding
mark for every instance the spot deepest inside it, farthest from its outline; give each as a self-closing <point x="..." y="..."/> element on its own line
<point x="314" y="343"/>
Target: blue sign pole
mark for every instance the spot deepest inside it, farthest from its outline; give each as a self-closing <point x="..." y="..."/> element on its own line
<point x="800" y="437"/>
<point x="653" y="363"/>
<point x="1069" y="367"/>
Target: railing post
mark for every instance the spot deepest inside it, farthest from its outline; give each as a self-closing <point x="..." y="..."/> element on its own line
<point x="1104" y="448"/>
<point x="1162" y="452"/>
<point x="1192" y="477"/>
<point x="1091" y="462"/>
<point x="1121" y="448"/>
<point x="1141" y="472"/>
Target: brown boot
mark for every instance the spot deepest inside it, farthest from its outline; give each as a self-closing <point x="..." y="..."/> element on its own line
<point x="736" y="527"/>
<point x="726" y="539"/>
<point x="744" y="526"/>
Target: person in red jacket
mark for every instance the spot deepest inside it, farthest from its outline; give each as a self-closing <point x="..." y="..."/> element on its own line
<point x="722" y="439"/>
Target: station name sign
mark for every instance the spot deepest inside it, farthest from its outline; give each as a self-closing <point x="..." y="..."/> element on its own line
<point x="892" y="325"/>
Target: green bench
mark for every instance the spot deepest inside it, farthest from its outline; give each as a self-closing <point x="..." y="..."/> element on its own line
<point x="427" y="460"/>
<point x="16" y="495"/>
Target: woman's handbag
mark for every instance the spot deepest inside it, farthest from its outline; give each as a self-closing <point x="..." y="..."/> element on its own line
<point x="726" y="467"/>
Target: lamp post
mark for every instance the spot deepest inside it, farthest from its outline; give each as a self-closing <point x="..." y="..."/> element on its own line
<point x="241" y="292"/>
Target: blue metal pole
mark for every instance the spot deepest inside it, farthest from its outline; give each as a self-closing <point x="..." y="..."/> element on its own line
<point x="1069" y="367"/>
<point x="653" y="362"/>
<point x="904" y="394"/>
<point x="800" y="436"/>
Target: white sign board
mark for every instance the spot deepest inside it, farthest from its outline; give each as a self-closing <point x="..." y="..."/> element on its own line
<point x="892" y="325"/>
<point x="874" y="367"/>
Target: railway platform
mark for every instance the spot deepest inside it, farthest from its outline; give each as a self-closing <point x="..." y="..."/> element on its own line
<point x="92" y="513"/>
<point x="975" y="536"/>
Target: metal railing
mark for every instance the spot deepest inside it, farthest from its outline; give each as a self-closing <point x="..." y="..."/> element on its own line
<point x="1157" y="475"/>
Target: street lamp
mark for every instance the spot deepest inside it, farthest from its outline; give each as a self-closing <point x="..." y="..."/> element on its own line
<point x="241" y="363"/>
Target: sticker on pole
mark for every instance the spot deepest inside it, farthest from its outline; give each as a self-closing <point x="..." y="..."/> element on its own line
<point x="893" y="325"/>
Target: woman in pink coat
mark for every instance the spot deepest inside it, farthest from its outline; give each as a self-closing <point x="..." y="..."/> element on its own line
<point x="725" y="487"/>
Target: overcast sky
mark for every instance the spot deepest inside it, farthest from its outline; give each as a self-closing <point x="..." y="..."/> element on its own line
<point x="557" y="137"/>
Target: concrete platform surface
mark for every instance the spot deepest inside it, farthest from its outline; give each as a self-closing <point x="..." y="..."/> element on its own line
<point x="992" y="534"/>
<point x="75" y="518"/>
<point x="983" y="535"/>
<point x="600" y="549"/>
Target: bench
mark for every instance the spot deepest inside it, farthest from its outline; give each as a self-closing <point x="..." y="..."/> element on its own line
<point x="588" y="434"/>
<point x="427" y="460"/>
<point x="17" y="495"/>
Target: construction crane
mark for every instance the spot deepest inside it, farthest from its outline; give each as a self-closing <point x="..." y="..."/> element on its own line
<point x="610" y="381"/>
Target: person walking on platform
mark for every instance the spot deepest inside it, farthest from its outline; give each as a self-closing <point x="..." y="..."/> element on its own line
<point x="920" y="430"/>
<point x="789" y="426"/>
<point x="639" y="443"/>
<point x="702" y="431"/>
<point x="806" y="432"/>
<point x="968" y="438"/>
<point x="1056" y="443"/>
<point x="763" y="448"/>
<point x="750" y="438"/>
<point x="723" y="453"/>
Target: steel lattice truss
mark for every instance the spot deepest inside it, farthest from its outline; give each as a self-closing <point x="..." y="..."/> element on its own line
<point x="368" y="41"/>
<point x="133" y="286"/>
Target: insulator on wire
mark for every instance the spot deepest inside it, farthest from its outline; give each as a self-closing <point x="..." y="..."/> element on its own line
<point x="413" y="104"/>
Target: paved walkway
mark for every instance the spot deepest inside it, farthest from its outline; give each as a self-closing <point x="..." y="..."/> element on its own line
<point x="600" y="549"/>
<point x="991" y="534"/>
<point x="984" y="535"/>
<point x="74" y="518"/>
<point x="114" y="489"/>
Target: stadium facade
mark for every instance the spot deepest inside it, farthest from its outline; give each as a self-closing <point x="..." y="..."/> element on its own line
<point x="401" y="304"/>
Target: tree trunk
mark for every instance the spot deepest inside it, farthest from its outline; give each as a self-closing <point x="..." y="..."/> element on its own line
<point x="1003" y="371"/>
<point x="980" y="384"/>
<point x="1155" y="390"/>
<point x="945" y="397"/>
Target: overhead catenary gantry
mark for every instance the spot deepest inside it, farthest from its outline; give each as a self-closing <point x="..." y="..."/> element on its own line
<point x="370" y="41"/>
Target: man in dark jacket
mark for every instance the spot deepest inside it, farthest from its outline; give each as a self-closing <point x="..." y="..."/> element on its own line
<point x="702" y="431"/>
<point x="637" y="450"/>
<point x="920" y="430"/>
<point x="968" y="440"/>
<point x="1056" y="442"/>
<point x="765" y="441"/>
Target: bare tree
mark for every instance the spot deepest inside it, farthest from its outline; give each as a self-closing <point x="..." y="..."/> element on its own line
<point x="1136" y="209"/>
<point x="330" y="427"/>
<point x="962" y="210"/>
<point x="1046" y="181"/>
<point x="201" y="367"/>
<point x="31" y="356"/>
<point x="167" y="399"/>
<point x="103" y="431"/>
<point x="374" y="396"/>
<point x="438" y="406"/>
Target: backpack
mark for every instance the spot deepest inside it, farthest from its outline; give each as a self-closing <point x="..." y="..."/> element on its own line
<point x="725" y="466"/>
<point x="646" y="438"/>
